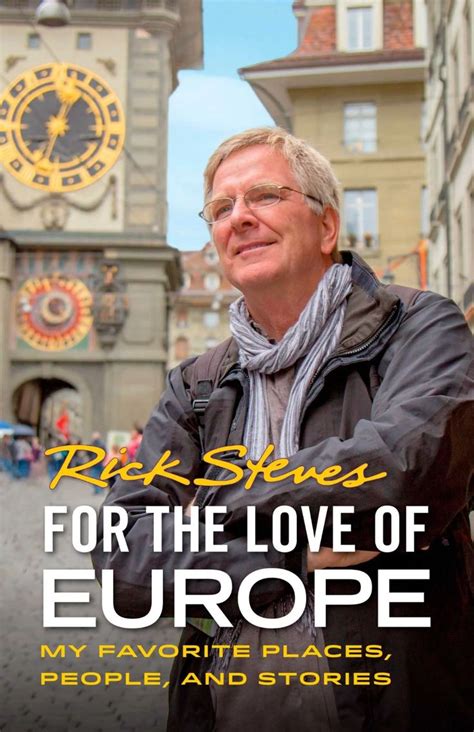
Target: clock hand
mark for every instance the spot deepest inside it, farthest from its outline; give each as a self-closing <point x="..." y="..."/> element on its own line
<point x="57" y="126"/>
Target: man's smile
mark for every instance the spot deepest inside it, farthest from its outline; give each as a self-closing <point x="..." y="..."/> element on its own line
<point x="251" y="246"/>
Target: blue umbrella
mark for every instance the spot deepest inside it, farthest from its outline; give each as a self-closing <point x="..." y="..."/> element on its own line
<point x="23" y="430"/>
<point x="5" y="425"/>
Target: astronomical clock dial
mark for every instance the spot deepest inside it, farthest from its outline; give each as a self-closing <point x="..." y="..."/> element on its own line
<point x="54" y="313"/>
<point x="61" y="127"/>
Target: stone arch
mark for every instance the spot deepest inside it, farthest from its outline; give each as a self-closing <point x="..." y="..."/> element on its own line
<point x="67" y="375"/>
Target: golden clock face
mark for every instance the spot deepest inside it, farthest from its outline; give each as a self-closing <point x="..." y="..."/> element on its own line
<point x="54" y="313"/>
<point x="61" y="127"/>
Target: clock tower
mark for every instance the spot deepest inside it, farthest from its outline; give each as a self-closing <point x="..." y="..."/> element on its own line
<point x="85" y="268"/>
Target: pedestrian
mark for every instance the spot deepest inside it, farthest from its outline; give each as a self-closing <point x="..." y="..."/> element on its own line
<point x="8" y="455"/>
<point x="134" y="443"/>
<point x="56" y="459"/>
<point x="24" y="457"/>
<point x="37" y="466"/>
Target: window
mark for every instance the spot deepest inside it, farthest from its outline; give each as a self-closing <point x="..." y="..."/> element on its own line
<point x="360" y="29"/>
<point x="360" y="216"/>
<point x="84" y="41"/>
<point x="33" y="40"/>
<point x="210" y="319"/>
<point x="360" y="127"/>
<point x="420" y="23"/>
<point x="212" y="281"/>
<point x="211" y="255"/>
<point x="359" y="25"/>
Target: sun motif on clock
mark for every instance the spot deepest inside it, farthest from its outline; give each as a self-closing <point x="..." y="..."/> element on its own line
<point x="54" y="313"/>
<point x="61" y="127"/>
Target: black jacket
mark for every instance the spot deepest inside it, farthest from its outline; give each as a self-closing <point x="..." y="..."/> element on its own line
<point x="397" y="394"/>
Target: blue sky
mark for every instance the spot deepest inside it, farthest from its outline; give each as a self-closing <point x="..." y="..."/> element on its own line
<point x="211" y="104"/>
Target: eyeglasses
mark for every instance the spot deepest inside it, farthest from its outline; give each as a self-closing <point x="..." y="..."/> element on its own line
<point x="261" y="196"/>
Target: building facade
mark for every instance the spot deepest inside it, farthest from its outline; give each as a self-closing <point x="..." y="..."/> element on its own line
<point x="85" y="269"/>
<point x="450" y="150"/>
<point x="354" y="88"/>
<point x="199" y="317"/>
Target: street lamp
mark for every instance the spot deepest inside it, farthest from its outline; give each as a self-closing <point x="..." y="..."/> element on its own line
<point x="53" y="13"/>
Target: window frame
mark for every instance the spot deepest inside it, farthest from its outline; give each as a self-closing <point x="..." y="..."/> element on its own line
<point x="365" y="239"/>
<point x="83" y="35"/>
<point x="420" y="23"/>
<point x="212" y="281"/>
<point x="211" y="319"/>
<point x="342" y="24"/>
<point x="352" y="146"/>
<point x="30" y="37"/>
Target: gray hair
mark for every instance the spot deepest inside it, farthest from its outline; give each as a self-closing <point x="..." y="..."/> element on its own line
<point x="312" y="170"/>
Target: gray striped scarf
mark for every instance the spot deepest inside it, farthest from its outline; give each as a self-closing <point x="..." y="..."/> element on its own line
<point x="310" y="341"/>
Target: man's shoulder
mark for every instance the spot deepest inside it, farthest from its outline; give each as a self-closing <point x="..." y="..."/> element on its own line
<point x="429" y="304"/>
<point x="408" y="295"/>
<point x="433" y="323"/>
<point x="366" y="281"/>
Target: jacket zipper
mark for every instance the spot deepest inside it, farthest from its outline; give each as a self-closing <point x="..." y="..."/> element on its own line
<point x="394" y="312"/>
<point x="334" y="360"/>
<point x="365" y="345"/>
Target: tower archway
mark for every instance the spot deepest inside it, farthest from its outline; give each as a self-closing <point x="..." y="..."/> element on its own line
<point x="39" y="400"/>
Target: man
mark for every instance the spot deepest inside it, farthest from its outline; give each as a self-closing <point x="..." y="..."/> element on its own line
<point x="333" y="369"/>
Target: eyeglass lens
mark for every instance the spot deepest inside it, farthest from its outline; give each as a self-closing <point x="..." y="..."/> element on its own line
<point x="256" y="197"/>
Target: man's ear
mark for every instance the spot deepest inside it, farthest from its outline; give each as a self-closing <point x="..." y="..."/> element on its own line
<point x="330" y="230"/>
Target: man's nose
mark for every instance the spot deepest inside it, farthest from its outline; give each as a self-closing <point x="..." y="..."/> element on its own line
<point x="242" y="215"/>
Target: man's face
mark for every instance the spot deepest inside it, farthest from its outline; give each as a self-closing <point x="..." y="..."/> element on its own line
<point x="267" y="248"/>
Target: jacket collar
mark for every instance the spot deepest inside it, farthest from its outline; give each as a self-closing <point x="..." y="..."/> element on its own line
<point x="369" y="305"/>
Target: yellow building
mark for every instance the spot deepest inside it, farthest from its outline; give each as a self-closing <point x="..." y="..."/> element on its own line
<point x="354" y="89"/>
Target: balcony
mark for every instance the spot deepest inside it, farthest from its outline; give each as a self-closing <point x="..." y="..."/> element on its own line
<point x="367" y="243"/>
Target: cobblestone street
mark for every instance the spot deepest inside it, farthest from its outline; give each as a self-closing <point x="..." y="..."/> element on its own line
<point x="26" y="704"/>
